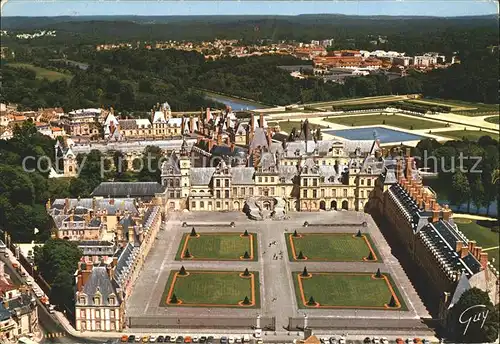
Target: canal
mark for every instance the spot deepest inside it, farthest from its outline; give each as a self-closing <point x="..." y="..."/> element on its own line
<point x="235" y="103"/>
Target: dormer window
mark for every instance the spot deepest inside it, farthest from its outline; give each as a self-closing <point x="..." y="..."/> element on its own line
<point x="97" y="300"/>
<point x="111" y="300"/>
<point x="82" y="300"/>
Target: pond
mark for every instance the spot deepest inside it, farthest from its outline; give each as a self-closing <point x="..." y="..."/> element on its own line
<point x="383" y="134"/>
<point x="234" y="103"/>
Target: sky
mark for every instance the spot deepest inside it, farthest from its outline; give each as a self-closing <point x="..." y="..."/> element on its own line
<point x="445" y="8"/>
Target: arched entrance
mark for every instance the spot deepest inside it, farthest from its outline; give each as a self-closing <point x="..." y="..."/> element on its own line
<point x="236" y="205"/>
<point x="266" y="205"/>
<point x="171" y="206"/>
<point x="322" y="205"/>
<point x="333" y="205"/>
<point x="345" y="205"/>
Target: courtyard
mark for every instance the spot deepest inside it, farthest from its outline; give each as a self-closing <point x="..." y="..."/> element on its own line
<point x="330" y="247"/>
<point x="217" y="246"/>
<point x="346" y="290"/>
<point x="213" y="290"/>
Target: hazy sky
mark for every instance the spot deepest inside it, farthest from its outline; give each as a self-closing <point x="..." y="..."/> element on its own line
<point x="125" y="7"/>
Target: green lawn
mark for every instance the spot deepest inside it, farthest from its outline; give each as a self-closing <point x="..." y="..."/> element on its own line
<point x="482" y="235"/>
<point x="42" y="73"/>
<point x="219" y="246"/>
<point x="212" y="289"/>
<point x="462" y="107"/>
<point x="471" y="135"/>
<point x="493" y="119"/>
<point x="346" y="290"/>
<point x="287" y="126"/>
<point x="392" y="120"/>
<point x="333" y="247"/>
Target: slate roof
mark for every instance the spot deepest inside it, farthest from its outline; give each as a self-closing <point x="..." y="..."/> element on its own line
<point x="125" y="258"/>
<point x="99" y="281"/>
<point x="288" y="172"/>
<point x="201" y="175"/>
<point x="128" y="124"/>
<point x="259" y="139"/>
<point x="4" y="312"/>
<point x="242" y="175"/>
<point x="110" y="204"/>
<point x="128" y="189"/>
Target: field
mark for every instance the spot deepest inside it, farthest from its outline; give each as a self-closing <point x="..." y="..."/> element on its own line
<point x="333" y="247"/>
<point x="493" y="119"/>
<point x="287" y="126"/>
<point x="346" y="290"/>
<point x="42" y="73"/>
<point x="482" y="235"/>
<point x="218" y="246"/>
<point x="471" y="135"/>
<point x="212" y="289"/>
<point x="392" y="120"/>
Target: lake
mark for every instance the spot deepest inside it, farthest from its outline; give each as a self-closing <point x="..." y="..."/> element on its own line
<point x="234" y="103"/>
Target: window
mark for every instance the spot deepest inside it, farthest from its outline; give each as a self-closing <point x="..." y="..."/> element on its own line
<point x="362" y="181"/>
<point x="272" y="191"/>
<point x="217" y="204"/>
<point x="217" y="183"/>
<point x="315" y="182"/>
<point x="226" y="183"/>
<point x="260" y="179"/>
<point x="305" y="182"/>
<point x="82" y="313"/>
<point x="227" y="205"/>
<point x="315" y="193"/>
<point x="97" y="301"/>
<point x="193" y="205"/>
<point x="362" y="194"/>
<point x="171" y="194"/>
<point x="217" y="193"/>
<point x="272" y="179"/>
<point x="250" y="191"/>
<point x="265" y="179"/>
<point x="226" y="194"/>
<point x="283" y="192"/>
<point x="345" y="192"/>
<point x="98" y="314"/>
<point x="369" y="182"/>
<point x="334" y="193"/>
<point x="304" y="193"/>
<point x="202" y="205"/>
<point x="260" y="192"/>
<point x="322" y="192"/>
<point x="235" y="192"/>
<point x="242" y="191"/>
<point x="97" y="325"/>
<point x="177" y="183"/>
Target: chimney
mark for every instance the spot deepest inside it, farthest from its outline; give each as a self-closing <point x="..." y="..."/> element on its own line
<point x="183" y="124"/>
<point x="84" y="274"/>
<point x="477" y="252"/>
<point x="472" y="245"/>
<point x="208" y="115"/>
<point x="269" y="137"/>
<point x="464" y="251"/>
<point x="131" y="235"/>
<point x="446" y="213"/>
<point x="191" y="124"/>
<point x="435" y="213"/>
<point x="232" y="147"/>
<point x="483" y="260"/>
<point x="111" y="271"/>
<point x="261" y="120"/>
<point x="228" y="140"/>
<point x="252" y="124"/>
<point x="427" y="205"/>
<point x="219" y="139"/>
<point x="210" y="145"/>
<point x="459" y="246"/>
<point x="66" y="204"/>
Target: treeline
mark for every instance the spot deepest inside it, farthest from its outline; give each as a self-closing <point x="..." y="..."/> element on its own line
<point x="466" y="169"/>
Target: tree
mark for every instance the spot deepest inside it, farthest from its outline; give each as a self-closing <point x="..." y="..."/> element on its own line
<point x="477" y="192"/>
<point x="57" y="256"/>
<point x="378" y="274"/>
<point x="246" y="233"/>
<point x="295" y="234"/>
<point x="246" y="272"/>
<point x="392" y="302"/>
<point x="246" y="255"/>
<point x="62" y="292"/>
<point x="187" y="254"/>
<point x="301" y="255"/>
<point x="193" y="232"/>
<point x="370" y="256"/>
<point x="182" y="271"/>
<point x="475" y="333"/>
<point x="311" y="302"/>
<point x="246" y="301"/>
<point x="305" y="273"/>
<point x="173" y="299"/>
<point x="460" y="189"/>
<point x="359" y="235"/>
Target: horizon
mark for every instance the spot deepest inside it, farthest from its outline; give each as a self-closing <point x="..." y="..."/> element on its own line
<point x="397" y="8"/>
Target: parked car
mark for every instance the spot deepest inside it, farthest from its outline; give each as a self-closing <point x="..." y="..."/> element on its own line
<point x="260" y="341"/>
<point x="367" y="340"/>
<point x="152" y="339"/>
<point x="188" y="339"/>
<point x="131" y="338"/>
<point x="180" y="339"/>
<point x="203" y="339"/>
<point x="223" y="340"/>
<point x="195" y="339"/>
<point x="342" y="340"/>
<point x="376" y="340"/>
<point x="210" y="340"/>
<point x="384" y="340"/>
<point x="399" y="341"/>
<point x="332" y="340"/>
<point x="160" y="339"/>
<point x="173" y="339"/>
<point x="246" y="338"/>
<point x="237" y="340"/>
<point x="231" y="340"/>
<point x="145" y="339"/>
<point x="124" y="339"/>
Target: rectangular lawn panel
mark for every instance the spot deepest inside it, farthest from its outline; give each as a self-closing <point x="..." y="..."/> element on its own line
<point x="471" y="135"/>
<point x="212" y="289"/>
<point x="347" y="290"/>
<point x="404" y="122"/>
<point x="332" y="247"/>
<point x="218" y="246"/>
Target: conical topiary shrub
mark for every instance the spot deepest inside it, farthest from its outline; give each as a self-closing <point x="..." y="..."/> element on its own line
<point x="193" y="232"/>
<point x="246" y="255"/>
<point x="246" y="233"/>
<point x="359" y="233"/>
<point x="301" y="255"/>
<point x="311" y="302"/>
<point x="246" y="301"/>
<point x="173" y="299"/>
<point x="182" y="271"/>
<point x="295" y="234"/>
<point x="370" y="256"/>
<point x="392" y="303"/>
<point x="305" y="273"/>
<point x="246" y="272"/>
<point x="378" y="274"/>
<point x="187" y="254"/>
